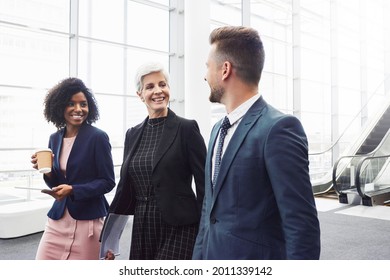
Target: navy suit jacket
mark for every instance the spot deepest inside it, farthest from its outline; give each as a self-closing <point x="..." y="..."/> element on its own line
<point x="90" y="171"/>
<point x="262" y="206"/>
<point x="180" y="157"/>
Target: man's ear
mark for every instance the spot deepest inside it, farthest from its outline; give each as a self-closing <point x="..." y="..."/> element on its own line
<point x="226" y="70"/>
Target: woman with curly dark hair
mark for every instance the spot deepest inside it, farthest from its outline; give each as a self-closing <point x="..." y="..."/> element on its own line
<point x="81" y="174"/>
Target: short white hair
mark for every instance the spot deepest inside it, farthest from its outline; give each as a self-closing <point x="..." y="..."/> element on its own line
<point x="146" y="69"/>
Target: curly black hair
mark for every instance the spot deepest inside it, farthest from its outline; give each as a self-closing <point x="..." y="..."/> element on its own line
<point x="59" y="96"/>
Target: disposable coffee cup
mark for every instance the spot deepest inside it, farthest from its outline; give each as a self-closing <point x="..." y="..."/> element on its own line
<point x="44" y="157"/>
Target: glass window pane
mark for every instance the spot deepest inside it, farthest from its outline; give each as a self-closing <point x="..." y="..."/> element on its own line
<point x="103" y="19"/>
<point x="225" y="13"/>
<point x="102" y="72"/>
<point x="111" y="109"/>
<point x="22" y="126"/>
<point x="45" y="14"/>
<point x="161" y="2"/>
<point x="148" y="27"/>
<point x="32" y="59"/>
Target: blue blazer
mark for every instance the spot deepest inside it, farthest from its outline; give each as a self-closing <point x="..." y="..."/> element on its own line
<point x="180" y="157"/>
<point x="90" y="171"/>
<point x="262" y="206"/>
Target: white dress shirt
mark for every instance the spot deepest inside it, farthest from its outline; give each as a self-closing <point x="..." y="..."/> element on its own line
<point x="235" y="118"/>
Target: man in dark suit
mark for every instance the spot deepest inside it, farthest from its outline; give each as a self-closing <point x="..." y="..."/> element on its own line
<point x="258" y="199"/>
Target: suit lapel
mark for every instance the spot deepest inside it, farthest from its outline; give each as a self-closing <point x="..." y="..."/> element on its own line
<point x="57" y="150"/>
<point x="249" y="119"/>
<point x="169" y="134"/>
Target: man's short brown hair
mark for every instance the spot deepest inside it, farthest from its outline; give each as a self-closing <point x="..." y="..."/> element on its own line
<point x="243" y="48"/>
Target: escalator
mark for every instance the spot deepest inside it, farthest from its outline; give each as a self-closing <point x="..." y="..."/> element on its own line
<point x="376" y="135"/>
<point x="365" y="178"/>
<point x="355" y="142"/>
<point x="364" y="145"/>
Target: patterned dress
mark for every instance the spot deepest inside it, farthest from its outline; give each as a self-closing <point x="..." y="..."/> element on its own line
<point x="152" y="239"/>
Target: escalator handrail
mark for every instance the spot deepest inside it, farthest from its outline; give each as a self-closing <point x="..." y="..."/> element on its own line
<point x="335" y="174"/>
<point x="358" y="169"/>
<point x="371" y="154"/>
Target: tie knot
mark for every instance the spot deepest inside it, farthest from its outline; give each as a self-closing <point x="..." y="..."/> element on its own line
<point x="225" y="124"/>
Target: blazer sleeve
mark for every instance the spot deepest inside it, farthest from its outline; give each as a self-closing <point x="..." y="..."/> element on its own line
<point x="286" y="156"/>
<point x="197" y="158"/>
<point x="123" y="201"/>
<point x="197" y="252"/>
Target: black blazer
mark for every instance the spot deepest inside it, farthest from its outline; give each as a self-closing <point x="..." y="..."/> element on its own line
<point x="180" y="156"/>
<point x="90" y="171"/>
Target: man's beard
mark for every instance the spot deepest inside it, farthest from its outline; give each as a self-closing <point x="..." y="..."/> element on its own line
<point x="216" y="95"/>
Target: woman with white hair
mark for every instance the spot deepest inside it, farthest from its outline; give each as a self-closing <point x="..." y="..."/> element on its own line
<point x="161" y="156"/>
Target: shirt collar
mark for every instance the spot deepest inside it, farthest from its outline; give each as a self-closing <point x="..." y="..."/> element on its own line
<point x="241" y="110"/>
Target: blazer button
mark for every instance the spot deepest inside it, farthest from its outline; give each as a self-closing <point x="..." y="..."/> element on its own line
<point x="213" y="220"/>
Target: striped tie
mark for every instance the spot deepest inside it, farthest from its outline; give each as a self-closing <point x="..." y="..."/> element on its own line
<point x="224" y="128"/>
